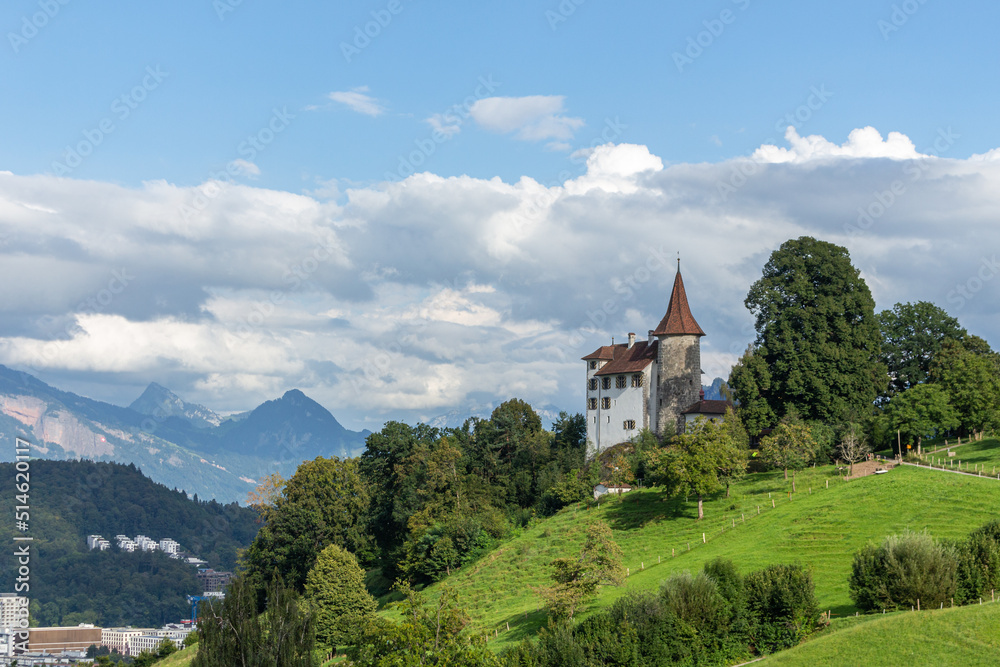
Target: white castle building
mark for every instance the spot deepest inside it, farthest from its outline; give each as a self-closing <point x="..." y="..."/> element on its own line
<point x="653" y="383"/>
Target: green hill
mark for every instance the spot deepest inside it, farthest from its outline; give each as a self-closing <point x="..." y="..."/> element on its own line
<point x="964" y="636"/>
<point x="70" y="584"/>
<point x="819" y="526"/>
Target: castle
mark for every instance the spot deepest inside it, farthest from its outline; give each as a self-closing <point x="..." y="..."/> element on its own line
<point x="654" y="384"/>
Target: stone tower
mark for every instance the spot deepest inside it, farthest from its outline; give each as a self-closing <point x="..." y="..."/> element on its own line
<point x="678" y="361"/>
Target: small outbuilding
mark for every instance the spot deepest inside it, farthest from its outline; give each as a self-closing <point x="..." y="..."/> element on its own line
<point x="603" y="490"/>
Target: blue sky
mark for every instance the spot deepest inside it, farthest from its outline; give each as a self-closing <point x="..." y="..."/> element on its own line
<point x="477" y="178"/>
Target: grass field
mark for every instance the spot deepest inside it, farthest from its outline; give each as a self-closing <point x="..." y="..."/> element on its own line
<point x="818" y="527"/>
<point x="983" y="455"/>
<point x="182" y="658"/>
<point x="964" y="636"/>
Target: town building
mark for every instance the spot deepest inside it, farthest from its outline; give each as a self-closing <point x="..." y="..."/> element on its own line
<point x="13" y="610"/>
<point x="212" y="581"/>
<point x="97" y="542"/>
<point x="645" y="384"/>
<point x="169" y="546"/>
<point x="58" y="640"/>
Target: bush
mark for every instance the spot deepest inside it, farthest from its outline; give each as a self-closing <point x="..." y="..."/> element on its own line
<point x="904" y="569"/>
<point x="979" y="564"/>
<point x="781" y="605"/>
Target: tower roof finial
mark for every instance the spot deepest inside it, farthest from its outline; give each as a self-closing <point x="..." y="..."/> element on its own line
<point x="678" y="320"/>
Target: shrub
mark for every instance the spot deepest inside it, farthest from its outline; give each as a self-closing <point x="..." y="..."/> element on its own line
<point x="781" y="605"/>
<point x="904" y="569"/>
<point x="979" y="563"/>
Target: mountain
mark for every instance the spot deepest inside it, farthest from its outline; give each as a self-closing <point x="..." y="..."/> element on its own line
<point x="293" y="427"/>
<point x="170" y="440"/>
<point x="713" y="392"/>
<point x="157" y="401"/>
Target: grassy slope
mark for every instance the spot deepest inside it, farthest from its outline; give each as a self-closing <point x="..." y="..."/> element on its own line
<point x="985" y="454"/>
<point x="821" y="529"/>
<point x="182" y="658"/>
<point x="962" y="636"/>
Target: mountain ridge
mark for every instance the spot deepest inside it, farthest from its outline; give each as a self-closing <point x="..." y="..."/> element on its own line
<point x="221" y="462"/>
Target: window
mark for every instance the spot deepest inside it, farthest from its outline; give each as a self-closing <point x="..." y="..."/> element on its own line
<point x="629" y="424"/>
<point x="606" y="382"/>
<point x="637" y="380"/>
<point x="591" y="403"/>
<point x="620" y="382"/>
<point x="605" y="403"/>
<point x="593" y="365"/>
<point x="592" y="384"/>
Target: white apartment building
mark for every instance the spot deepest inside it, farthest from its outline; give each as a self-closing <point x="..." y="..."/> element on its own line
<point x="125" y="543"/>
<point x="145" y="543"/>
<point x="133" y="641"/>
<point x="169" y="546"/>
<point x="119" y="639"/>
<point x="97" y="542"/>
<point x="13" y="610"/>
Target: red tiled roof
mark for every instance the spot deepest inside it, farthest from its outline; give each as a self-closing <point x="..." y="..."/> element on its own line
<point x="603" y="353"/>
<point x="630" y="360"/>
<point x="708" y="408"/>
<point x="678" y="320"/>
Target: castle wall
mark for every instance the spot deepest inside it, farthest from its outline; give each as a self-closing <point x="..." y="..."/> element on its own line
<point x="679" y="382"/>
<point x="607" y="426"/>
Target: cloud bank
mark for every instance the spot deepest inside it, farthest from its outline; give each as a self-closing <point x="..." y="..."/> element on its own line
<point x="404" y="300"/>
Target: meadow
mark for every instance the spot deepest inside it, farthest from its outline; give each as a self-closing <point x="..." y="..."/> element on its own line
<point x="819" y="526"/>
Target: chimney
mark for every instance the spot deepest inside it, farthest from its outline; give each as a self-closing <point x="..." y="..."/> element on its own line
<point x="649" y="341"/>
<point x="631" y="340"/>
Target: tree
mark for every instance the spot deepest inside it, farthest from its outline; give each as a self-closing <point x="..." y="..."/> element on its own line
<point x="424" y="636"/>
<point x="734" y="453"/>
<point x="233" y="634"/>
<point x="577" y="579"/>
<point x="902" y="570"/>
<point x="853" y="447"/>
<point x="621" y="472"/>
<point x="816" y="333"/>
<point x="749" y="382"/>
<point x="325" y="502"/>
<point x="700" y="461"/>
<point x="264" y="498"/>
<point x="335" y="589"/>
<point x="789" y="445"/>
<point x="972" y="382"/>
<point x="912" y="333"/>
<point x="919" y="412"/>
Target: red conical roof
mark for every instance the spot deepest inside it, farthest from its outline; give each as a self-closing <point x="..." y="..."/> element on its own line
<point x="678" y="321"/>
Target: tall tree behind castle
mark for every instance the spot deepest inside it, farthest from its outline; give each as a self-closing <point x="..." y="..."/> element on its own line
<point x="817" y="335"/>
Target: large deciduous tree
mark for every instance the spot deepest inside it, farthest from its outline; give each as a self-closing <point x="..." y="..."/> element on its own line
<point x="970" y="375"/>
<point x="325" y="502"/>
<point x="817" y="333"/>
<point x="749" y="382"/>
<point x="920" y="412"/>
<point x="912" y="333"/>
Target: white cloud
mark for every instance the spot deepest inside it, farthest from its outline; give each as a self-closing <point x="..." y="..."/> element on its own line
<point x="532" y="118"/>
<point x="413" y="297"/>
<point x="448" y="125"/>
<point x="988" y="156"/>
<point x="248" y="168"/>
<point x="358" y="99"/>
<point x="864" y="142"/>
